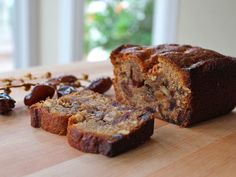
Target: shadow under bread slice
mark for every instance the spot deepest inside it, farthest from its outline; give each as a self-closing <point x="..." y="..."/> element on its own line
<point x="97" y="124"/>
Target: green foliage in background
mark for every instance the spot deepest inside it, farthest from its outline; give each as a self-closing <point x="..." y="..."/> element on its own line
<point x="119" y="23"/>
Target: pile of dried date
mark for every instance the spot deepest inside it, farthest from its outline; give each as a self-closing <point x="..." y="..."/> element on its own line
<point x="50" y="87"/>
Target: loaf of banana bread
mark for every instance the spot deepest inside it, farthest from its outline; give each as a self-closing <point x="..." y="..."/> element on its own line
<point x="182" y="83"/>
<point x="97" y="124"/>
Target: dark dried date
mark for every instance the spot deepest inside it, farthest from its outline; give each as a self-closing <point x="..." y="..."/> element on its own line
<point x="39" y="92"/>
<point x="66" y="83"/>
<point x="100" y="85"/>
<point x="62" y="79"/>
<point x="65" y="90"/>
<point x="6" y="103"/>
<point x="67" y="79"/>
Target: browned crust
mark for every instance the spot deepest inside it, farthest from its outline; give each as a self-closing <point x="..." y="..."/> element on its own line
<point x="184" y="56"/>
<point x="213" y="86"/>
<point x="93" y="143"/>
<point x="210" y="76"/>
<point x="35" y="117"/>
<point x="53" y="123"/>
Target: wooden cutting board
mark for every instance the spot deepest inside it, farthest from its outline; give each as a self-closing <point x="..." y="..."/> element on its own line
<point x="207" y="149"/>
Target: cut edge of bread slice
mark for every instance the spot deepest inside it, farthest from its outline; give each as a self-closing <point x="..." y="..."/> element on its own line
<point x="51" y="122"/>
<point x="89" y="141"/>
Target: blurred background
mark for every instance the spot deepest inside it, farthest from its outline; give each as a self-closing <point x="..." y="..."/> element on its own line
<point x="51" y="32"/>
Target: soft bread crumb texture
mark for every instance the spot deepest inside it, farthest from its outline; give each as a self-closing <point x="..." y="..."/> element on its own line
<point x="182" y="83"/>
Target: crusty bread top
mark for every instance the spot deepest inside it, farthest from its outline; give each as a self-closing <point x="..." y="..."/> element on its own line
<point x="184" y="56"/>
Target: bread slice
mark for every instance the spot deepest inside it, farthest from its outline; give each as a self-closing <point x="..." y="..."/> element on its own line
<point x="52" y="114"/>
<point x="106" y="127"/>
<point x="97" y="124"/>
<point x="182" y="83"/>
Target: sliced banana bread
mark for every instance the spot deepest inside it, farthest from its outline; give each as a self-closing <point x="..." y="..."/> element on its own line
<point x="97" y="124"/>
<point x="184" y="84"/>
<point x="52" y="114"/>
<point x="109" y="128"/>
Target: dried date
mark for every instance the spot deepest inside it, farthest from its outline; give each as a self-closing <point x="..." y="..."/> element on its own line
<point x="63" y="84"/>
<point x="67" y="79"/>
<point x="62" y="79"/>
<point x="39" y="92"/>
<point x="6" y="103"/>
<point x="100" y="85"/>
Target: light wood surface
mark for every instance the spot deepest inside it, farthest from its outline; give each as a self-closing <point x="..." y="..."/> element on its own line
<point x="207" y="149"/>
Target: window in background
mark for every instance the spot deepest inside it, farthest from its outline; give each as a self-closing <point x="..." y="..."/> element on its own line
<point x="110" y="23"/>
<point x="6" y="38"/>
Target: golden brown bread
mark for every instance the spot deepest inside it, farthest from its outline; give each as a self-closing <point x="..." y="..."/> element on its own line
<point x="184" y="84"/>
<point x="97" y="124"/>
<point x="111" y="137"/>
<point x="52" y="114"/>
<point x="54" y="123"/>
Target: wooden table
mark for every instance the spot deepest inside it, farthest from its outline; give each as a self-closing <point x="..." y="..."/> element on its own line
<point x="207" y="149"/>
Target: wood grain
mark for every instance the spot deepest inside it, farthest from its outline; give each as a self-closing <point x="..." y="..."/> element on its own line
<point x="207" y="149"/>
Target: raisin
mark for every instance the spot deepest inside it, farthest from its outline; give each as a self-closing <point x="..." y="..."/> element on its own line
<point x="100" y="85"/>
<point x="39" y="92"/>
<point x="65" y="90"/>
<point x="6" y="103"/>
